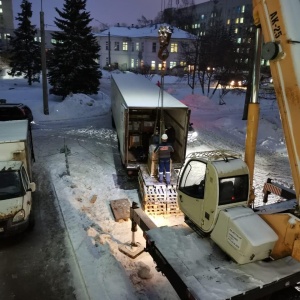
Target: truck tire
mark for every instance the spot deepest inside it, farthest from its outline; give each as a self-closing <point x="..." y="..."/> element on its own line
<point x="31" y="221"/>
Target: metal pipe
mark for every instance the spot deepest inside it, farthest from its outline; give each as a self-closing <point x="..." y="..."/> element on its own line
<point x="256" y="66"/>
<point x="253" y="116"/>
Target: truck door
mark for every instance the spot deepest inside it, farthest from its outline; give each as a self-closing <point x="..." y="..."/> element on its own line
<point x="191" y="190"/>
<point x="27" y="200"/>
<point x="123" y="134"/>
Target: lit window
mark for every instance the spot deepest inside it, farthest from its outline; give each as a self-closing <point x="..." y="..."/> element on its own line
<point x="228" y="22"/>
<point x="117" y="46"/>
<point x="236" y="30"/>
<point x="1" y="10"/>
<point x="237" y="50"/>
<point x="137" y="46"/>
<point x="202" y="17"/>
<point x="241" y="20"/>
<point x="174" y="47"/>
<point x="239" y="40"/>
<point x="137" y="63"/>
<point x="237" y="21"/>
<point x="159" y="67"/>
<point x="243" y="8"/>
<point x="125" y="46"/>
<point x="172" y="64"/>
<point x="153" y="65"/>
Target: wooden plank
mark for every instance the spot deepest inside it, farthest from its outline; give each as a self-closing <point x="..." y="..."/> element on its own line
<point x="120" y="209"/>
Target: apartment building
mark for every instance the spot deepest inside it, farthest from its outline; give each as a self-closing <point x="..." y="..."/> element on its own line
<point x="133" y="47"/>
<point x="234" y="14"/>
<point x="6" y="23"/>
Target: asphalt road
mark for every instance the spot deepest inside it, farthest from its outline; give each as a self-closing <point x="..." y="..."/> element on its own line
<point x="40" y="264"/>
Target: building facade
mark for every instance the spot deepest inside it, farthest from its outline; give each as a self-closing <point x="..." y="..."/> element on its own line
<point x="235" y="15"/>
<point x="6" y="23"/>
<point x="132" y="48"/>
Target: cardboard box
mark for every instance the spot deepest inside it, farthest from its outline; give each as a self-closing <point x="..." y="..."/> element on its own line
<point x="151" y="154"/>
<point x="135" y="141"/>
<point x="148" y="126"/>
<point x="152" y="167"/>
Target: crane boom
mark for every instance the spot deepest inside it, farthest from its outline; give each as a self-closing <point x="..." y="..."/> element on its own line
<point x="280" y="23"/>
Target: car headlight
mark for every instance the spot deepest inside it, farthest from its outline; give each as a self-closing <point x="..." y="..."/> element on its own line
<point x="19" y="216"/>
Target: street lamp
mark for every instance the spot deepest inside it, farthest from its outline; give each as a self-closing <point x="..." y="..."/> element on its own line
<point x="43" y="58"/>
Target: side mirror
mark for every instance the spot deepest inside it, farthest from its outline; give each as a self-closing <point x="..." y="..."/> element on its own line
<point x="32" y="186"/>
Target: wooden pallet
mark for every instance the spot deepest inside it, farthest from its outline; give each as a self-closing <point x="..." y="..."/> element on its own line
<point x="173" y="209"/>
<point x="120" y="209"/>
<point x="155" y="209"/>
<point x="155" y="197"/>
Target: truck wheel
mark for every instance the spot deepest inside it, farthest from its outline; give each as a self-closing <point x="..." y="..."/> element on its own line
<point x="31" y="221"/>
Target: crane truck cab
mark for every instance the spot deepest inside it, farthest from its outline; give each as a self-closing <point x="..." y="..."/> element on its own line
<point x="213" y="193"/>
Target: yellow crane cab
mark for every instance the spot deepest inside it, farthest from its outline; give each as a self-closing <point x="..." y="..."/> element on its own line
<point x="213" y="193"/>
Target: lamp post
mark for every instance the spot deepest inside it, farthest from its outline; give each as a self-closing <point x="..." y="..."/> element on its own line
<point x="43" y="58"/>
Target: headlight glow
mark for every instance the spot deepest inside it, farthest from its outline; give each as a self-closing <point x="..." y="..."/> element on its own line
<point x="19" y="216"/>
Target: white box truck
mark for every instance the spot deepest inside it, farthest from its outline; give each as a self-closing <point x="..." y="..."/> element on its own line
<point x="16" y="185"/>
<point x="137" y="105"/>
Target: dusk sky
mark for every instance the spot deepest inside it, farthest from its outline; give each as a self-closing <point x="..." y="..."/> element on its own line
<point x="106" y="11"/>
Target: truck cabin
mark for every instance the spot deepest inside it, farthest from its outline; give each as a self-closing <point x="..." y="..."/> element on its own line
<point x="14" y="181"/>
<point x="230" y="189"/>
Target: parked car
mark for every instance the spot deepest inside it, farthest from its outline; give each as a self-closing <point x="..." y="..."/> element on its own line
<point x="15" y="111"/>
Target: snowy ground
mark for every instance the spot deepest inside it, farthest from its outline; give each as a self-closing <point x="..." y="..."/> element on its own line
<point x="84" y="198"/>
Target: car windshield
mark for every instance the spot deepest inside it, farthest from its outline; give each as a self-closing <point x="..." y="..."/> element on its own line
<point x="10" y="185"/>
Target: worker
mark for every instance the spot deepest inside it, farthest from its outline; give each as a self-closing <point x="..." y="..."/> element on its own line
<point x="164" y="153"/>
<point x="155" y="137"/>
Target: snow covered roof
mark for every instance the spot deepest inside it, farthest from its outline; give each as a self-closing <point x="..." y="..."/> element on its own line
<point x="141" y="92"/>
<point x="148" y="31"/>
<point x="12" y="131"/>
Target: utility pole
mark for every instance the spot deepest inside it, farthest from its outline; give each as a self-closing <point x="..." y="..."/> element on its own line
<point x="43" y="57"/>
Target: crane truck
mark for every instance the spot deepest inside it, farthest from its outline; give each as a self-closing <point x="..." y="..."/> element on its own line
<point x="232" y="249"/>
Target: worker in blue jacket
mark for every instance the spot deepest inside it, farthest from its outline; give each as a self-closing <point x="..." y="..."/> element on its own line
<point x="164" y="153"/>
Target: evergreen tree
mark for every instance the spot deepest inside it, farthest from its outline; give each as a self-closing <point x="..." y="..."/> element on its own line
<point x="25" y="57"/>
<point x="72" y="65"/>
